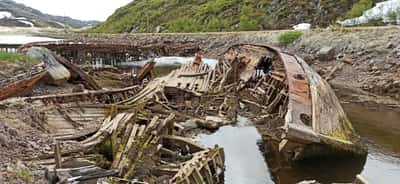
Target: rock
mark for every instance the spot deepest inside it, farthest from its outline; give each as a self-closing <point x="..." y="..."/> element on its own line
<point x="13" y="132"/>
<point x="190" y="124"/>
<point x="34" y="144"/>
<point x="57" y="73"/>
<point x="326" y="54"/>
<point x="390" y="45"/>
<point x="387" y="66"/>
<point x="159" y="29"/>
<point x="3" y="140"/>
<point x="78" y="88"/>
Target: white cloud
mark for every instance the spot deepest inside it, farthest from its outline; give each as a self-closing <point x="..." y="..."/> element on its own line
<point x="78" y="9"/>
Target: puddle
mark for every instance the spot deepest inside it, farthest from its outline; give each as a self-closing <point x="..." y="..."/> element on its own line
<point x="243" y="159"/>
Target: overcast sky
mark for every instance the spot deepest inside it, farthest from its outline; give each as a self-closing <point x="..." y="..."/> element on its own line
<point x="77" y="9"/>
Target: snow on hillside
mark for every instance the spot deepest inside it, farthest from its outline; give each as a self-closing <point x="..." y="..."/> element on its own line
<point x="4" y="14"/>
<point x="27" y="23"/>
<point x="388" y="11"/>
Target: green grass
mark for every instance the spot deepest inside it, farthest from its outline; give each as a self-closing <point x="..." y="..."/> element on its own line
<point x="17" y="57"/>
<point x="289" y="37"/>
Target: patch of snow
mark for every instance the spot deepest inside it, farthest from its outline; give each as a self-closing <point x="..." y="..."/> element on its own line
<point x="302" y="26"/>
<point x="27" y="23"/>
<point x="5" y="14"/>
<point x="21" y="18"/>
<point x="388" y="11"/>
<point x="22" y="39"/>
<point x="59" y="23"/>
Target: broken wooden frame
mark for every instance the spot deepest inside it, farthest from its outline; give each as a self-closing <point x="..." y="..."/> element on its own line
<point x="279" y="84"/>
<point x="315" y="123"/>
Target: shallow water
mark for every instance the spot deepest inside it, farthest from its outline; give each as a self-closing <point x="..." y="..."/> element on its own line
<point x="22" y="39"/>
<point x="245" y="162"/>
<point x="380" y="128"/>
<point x="243" y="159"/>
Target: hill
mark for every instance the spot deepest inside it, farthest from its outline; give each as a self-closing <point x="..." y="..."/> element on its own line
<point x="228" y="15"/>
<point x="18" y="15"/>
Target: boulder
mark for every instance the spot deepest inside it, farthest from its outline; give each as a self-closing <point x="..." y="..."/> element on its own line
<point x="326" y="54"/>
<point x="57" y="73"/>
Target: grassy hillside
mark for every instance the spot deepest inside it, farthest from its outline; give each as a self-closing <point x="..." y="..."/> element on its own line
<point x="224" y="15"/>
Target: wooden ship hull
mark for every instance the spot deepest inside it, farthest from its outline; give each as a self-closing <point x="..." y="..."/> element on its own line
<point x="313" y="122"/>
<point x="21" y="84"/>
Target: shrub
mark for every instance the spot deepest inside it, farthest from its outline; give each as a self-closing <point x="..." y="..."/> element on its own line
<point x="289" y="37"/>
<point x="184" y="25"/>
<point x="217" y="24"/>
<point x="359" y="8"/>
<point x="247" y="20"/>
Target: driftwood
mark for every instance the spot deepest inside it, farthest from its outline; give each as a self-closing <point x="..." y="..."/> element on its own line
<point x="80" y="174"/>
<point x="89" y="82"/>
<point x="146" y="71"/>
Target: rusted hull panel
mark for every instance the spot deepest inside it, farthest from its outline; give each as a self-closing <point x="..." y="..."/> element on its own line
<point x="314" y="115"/>
<point x="328" y="116"/>
<point x="20" y="87"/>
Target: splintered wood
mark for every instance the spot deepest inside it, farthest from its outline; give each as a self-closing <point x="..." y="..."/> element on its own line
<point x="141" y="130"/>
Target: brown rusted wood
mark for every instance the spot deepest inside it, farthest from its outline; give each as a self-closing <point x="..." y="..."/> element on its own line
<point x="145" y="71"/>
<point x="57" y="155"/>
<point x="89" y="82"/>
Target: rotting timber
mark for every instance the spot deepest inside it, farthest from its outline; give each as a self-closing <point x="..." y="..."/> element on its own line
<point x="308" y="118"/>
<point x="141" y="132"/>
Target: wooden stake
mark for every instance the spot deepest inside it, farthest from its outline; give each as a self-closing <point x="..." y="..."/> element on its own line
<point x="57" y="155"/>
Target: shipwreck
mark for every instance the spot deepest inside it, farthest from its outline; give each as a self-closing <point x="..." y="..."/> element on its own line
<point x="140" y="133"/>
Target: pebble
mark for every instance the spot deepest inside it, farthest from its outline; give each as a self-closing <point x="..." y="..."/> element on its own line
<point x="13" y="132"/>
<point x="3" y="140"/>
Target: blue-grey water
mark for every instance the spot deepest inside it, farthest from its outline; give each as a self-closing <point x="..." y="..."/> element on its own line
<point x="243" y="159"/>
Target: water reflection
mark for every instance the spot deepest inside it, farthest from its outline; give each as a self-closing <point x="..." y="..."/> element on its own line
<point x="244" y="161"/>
<point x="328" y="170"/>
<point x="380" y="128"/>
